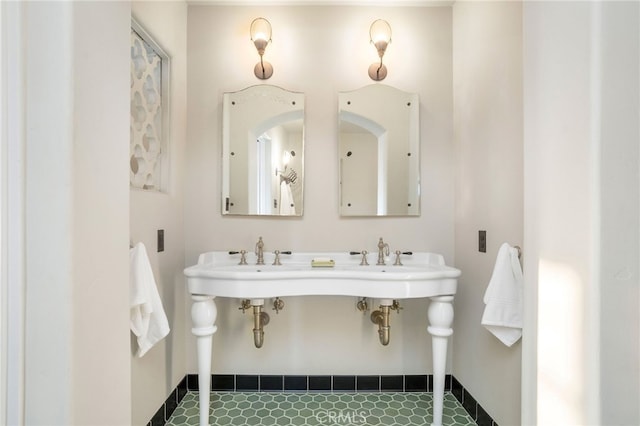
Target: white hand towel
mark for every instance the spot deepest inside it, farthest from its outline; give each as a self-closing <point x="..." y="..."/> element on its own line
<point x="503" y="297"/>
<point x="148" y="320"/>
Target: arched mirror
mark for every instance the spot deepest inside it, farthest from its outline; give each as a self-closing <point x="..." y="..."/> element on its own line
<point x="379" y="150"/>
<point x="262" y="152"/>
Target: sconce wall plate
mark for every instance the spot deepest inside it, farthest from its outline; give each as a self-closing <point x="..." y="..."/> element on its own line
<point x="377" y="71"/>
<point x="263" y="70"/>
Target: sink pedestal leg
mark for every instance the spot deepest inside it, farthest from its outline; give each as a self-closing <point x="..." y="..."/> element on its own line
<point x="203" y="316"/>
<point x="440" y="315"/>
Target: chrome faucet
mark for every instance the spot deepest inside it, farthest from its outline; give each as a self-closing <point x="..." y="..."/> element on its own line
<point x="259" y="251"/>
<point x="383" y="250"/>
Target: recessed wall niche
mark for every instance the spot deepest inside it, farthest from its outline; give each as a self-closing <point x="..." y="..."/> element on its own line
<point x="148" y="148"/>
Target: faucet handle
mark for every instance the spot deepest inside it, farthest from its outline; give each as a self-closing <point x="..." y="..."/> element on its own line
<point x="364" y="262"/>
<point x="364" y="254"/>
<point x="397" y="262"/>
<point x="244" y="305"/>
<point x="276" y="261"/>
<point x="243" y="256"/>
<point x="278" y="305"/>
<point x="362" y="305"/>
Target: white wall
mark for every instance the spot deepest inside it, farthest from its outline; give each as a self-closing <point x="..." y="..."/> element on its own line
<point x="487" y="101"/>
<point x="100" y="213"/>
<point x="158" y="372"/>
<point x="581" y="201"/>
<point x="319" y="51"/>
<point x="620" y="214"/>
<point x="48" y="284"/>
<point x="76" y="204"/>
<point x="13" y="220"/>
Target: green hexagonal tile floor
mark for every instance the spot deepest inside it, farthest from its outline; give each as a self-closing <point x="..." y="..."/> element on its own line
<point x="306" y="409"/>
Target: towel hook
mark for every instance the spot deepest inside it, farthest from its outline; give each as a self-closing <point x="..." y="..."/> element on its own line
<point x="519" y="251"/>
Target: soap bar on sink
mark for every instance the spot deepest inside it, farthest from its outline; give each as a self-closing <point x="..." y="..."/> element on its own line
<point x="322" y="262"/>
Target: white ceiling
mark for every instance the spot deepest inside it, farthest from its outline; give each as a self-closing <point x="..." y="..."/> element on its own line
<point x="322" y="2"/>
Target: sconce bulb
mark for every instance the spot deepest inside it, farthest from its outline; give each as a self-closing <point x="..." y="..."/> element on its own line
<point x="260" y="36"/>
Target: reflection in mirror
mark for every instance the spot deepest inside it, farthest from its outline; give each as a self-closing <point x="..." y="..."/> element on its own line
<point x="262" y="152"/>
<point x="379" y="150"/>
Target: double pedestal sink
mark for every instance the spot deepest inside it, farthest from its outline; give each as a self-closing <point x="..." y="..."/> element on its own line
<point x="421" y="275"/>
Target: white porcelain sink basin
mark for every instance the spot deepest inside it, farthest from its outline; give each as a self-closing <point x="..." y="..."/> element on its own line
<point x="421" y="275"/>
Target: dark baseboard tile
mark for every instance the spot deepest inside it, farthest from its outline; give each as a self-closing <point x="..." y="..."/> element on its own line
<point x="319" y="384"/>
<point x="367" y="383"/>
<point x="247" y="383"/>
<point x="483" y="418"/>
<point x="192" y="382"/>
<point x="322" y="383"/>
<point x="271" y="383"/>
<point x="297" y="383"/>
<point x="344" y="384"/>
<point x="416" y="383"/>
<point x="392" y="383"/>
<point x="223" y="382"/>
<point x="158" y="418"/>
<point x="471" y="406"/>
<point x="456" y="389"/>
<point x="170" y="404"/>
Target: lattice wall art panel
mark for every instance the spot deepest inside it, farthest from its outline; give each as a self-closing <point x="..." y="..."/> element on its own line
<point x="148" y="142"/>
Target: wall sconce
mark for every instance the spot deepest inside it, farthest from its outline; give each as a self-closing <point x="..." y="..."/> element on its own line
<point x="380" y="35"/>
<point x="286" y="157"/>
<point x="261" y="36"/>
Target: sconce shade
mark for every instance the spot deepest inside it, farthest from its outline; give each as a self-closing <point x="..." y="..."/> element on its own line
<point x="380" y="37"/>
<point x="260" y="32"/>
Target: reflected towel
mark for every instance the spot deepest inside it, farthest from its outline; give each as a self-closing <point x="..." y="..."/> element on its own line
<point x="148" y="320"/>
<point x="286" y="199"/>
<point x="503" y="297"/>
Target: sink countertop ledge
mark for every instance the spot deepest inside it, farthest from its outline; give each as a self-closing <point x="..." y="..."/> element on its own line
<point x="421" y="275"/>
